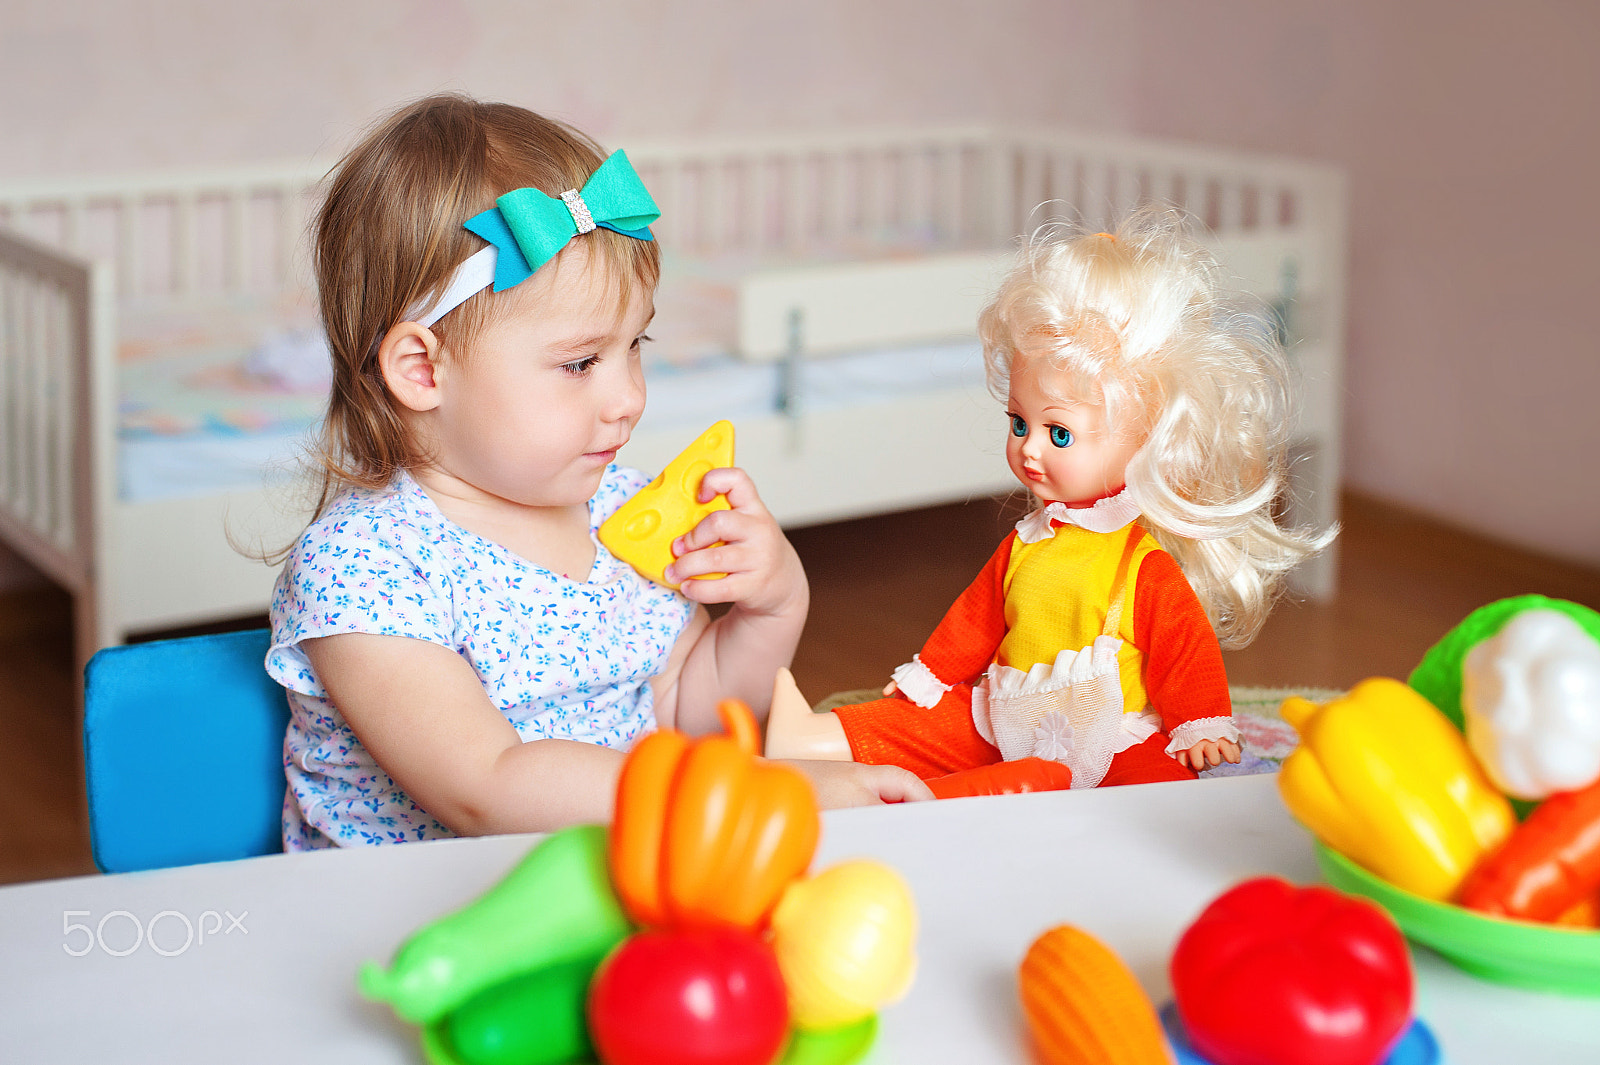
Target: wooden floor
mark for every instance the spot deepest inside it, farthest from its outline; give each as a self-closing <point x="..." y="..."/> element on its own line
<point x="878" y="587"/>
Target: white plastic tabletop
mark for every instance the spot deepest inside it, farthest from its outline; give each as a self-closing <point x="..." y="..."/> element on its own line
<point x="273" y="976"/>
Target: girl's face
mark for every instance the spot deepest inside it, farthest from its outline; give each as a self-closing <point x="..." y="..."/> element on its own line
<point x="551" y="390"/>
<point x="1061" y="446"/>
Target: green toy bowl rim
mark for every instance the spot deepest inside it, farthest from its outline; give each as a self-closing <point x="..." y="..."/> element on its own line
<point x="1519" y="953"/>
<point x="852" y="1043"/>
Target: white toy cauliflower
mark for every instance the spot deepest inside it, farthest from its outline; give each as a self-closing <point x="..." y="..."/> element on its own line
<point x="1530" y="698"/>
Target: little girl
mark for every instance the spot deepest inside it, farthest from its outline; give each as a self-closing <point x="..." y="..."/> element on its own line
<point x="460" y="652"/>
<point x="1148" y="418"/>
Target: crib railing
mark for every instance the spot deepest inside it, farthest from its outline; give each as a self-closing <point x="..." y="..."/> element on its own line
<point x="179" y="236"/>
<point x="54" y="366"/>
<point x="194" y="234"/>
<point x="193" y="237"/>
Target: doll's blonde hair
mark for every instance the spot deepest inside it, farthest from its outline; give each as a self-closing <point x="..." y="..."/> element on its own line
<point x="389" y="236"/>
<point x="1141" y="321"/>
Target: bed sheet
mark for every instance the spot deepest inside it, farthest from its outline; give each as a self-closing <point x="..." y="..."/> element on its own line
<point x="228" y="397"/>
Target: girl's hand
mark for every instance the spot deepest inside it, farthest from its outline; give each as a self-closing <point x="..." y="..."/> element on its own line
<point x="1208" y="753"/>
<point x="841" y="784"/>
<point x="764" y="575"/>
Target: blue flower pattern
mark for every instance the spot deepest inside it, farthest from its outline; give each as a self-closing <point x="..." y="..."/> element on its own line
<point x="560" y="658"/>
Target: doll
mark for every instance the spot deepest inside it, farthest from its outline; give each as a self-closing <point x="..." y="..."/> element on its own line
<point x="1148" y="417"/>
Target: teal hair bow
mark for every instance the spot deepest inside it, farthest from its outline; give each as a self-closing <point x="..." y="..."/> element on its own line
<point x="529" y="228"/>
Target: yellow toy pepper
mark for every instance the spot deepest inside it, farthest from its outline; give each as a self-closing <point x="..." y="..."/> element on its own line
<point x="1385" y="779"/>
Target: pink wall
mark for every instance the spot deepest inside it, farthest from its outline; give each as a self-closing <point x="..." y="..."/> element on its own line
<point x="1465" y="127"/>
<point x="1468" y="133"/>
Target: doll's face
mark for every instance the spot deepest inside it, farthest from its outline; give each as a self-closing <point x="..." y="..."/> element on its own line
<point x="1061" y="446"/>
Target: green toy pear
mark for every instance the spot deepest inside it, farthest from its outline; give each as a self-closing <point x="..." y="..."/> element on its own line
<point x="555" y="907"/>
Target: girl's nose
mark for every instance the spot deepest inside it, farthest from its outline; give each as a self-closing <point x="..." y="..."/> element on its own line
<point x="627" y="401"/>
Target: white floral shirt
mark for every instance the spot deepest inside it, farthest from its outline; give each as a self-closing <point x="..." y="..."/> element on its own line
<point x="560" y="658"/>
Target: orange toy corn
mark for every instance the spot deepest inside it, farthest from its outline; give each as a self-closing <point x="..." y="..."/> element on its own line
<point x="1083" y="1005"/>
<point x="707" y="833"/>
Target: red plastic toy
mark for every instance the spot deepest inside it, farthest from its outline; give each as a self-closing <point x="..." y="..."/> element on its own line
<point x="696" y="996"/>
<point x="1271" y="973"/>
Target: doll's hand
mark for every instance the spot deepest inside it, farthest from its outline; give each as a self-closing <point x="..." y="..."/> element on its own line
<point x="841" y="784"/>
<point x="764" y="575"/>
<point x="1208" y="753"/>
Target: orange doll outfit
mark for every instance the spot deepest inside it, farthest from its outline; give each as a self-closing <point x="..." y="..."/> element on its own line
<point x="1149" y="680"/>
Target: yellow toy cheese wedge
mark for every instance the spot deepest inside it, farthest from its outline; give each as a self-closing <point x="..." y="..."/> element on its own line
<point x="642" y="530"/>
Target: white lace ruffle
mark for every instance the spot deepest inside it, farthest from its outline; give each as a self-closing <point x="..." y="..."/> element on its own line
<point x="918" y="683"/>
<point x="1190" y="733"/>
<point x="1107" y="515"/>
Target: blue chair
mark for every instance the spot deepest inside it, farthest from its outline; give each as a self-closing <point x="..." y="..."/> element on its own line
<point x="183" y="748"/>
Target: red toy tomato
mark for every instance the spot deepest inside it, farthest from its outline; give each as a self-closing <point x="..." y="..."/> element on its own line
<point x="706" y="996"/>
<point x="1270" y="973"/>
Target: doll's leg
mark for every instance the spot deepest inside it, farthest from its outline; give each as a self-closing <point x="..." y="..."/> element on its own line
<point x="793" y="731"/>
<point x="1146" y="763"/>
<point x="931" y="742"/>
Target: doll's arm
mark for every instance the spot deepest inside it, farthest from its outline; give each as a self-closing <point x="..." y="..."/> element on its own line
<point x="964" y="643"/>
<point x="1183" y="672"/>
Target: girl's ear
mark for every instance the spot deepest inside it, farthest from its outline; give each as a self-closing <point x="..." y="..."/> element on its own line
<point x="408" y="357"/>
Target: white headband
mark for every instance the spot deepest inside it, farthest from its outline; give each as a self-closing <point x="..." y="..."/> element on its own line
<point x="470" y="278"/>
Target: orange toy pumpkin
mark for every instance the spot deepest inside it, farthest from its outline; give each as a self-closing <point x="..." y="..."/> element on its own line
<point x="1083" y="1005"/>
<point x="705" y="832"/>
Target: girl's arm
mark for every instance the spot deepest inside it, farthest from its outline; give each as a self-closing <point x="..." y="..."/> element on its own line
<point x="737" y="655"/>
<point x="420" y="710"/>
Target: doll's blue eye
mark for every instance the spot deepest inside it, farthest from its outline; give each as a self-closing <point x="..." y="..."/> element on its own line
<point x="1060" y="436"/>
<point x="1018" y="426"/>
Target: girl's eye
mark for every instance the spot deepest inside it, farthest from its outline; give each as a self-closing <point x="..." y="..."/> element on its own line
<point x="1018" y="426"/>
<point x="581" y="367"/>
<point x="642" y="339"/>
<point x="1060" y="436"/>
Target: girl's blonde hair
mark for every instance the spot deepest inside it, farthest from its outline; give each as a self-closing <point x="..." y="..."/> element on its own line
<point x="389" y="236"/>
<point x="1141" y="321"/>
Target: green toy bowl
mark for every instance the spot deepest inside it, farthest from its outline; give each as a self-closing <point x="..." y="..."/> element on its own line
<point x="837" y="1046"/>
<point x="1533" y="956"/>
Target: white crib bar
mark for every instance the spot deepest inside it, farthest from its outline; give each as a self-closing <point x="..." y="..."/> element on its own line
<point x="60" y="215"/>
<point x="45" y="471"/>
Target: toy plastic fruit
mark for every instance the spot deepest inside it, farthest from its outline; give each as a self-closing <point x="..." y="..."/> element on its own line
<point x="1550" y="864"/>
<point x="1530" y="696"/>
<point x="844" y="941"/>
<point x="1083" y="1006"/>
<point x="641" y="532"/>
<point x="705" y="832"/>
<point x="533" y="1019"/>
<point x="556" y="906"/>
<point x="1382" y="777"/>
<point x="834" y="1046"/>
<point x="1272" y="973"/>
<point x="689" y="996"/>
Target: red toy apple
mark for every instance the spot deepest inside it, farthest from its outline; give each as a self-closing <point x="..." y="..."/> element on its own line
<point x="1272" y="973"/>
<point x="707" y="996"/>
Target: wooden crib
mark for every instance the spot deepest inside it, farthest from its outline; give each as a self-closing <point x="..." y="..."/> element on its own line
<point x="847" y="241"/>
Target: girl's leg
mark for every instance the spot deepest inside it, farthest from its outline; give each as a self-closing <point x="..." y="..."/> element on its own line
<point x="1146" y="763"/>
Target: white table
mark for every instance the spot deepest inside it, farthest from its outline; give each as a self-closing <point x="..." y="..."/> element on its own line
<point x="1132" y="865"/>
